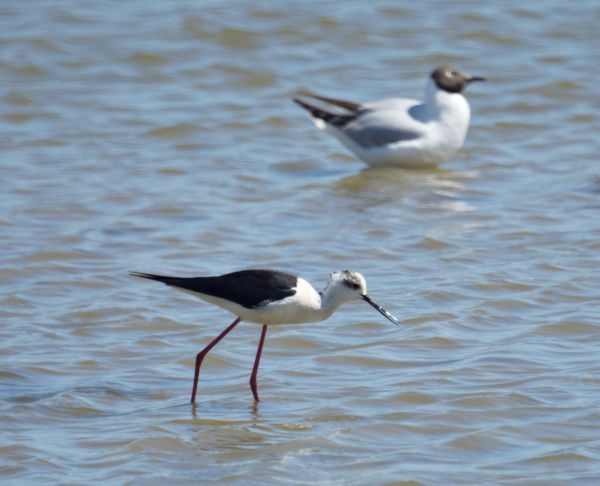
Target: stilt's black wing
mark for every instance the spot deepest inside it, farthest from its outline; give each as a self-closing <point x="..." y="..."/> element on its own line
<point x="248" y="288"/>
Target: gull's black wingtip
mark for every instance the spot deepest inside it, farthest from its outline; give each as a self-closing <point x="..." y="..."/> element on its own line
<point x="321" y="114"/>
<point x="314" y="110"/>
<point x="301" y="103"/>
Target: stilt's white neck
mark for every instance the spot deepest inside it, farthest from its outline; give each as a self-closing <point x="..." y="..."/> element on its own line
<point x="331" y="298"/>
<point x="329" y="303"/>
<point x="316" y="306"/>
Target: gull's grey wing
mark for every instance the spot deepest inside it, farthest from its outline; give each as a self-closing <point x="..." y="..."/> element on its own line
<point x="371" y="124"/>
<point x="368" y="131"/>
<point x="373" y="136"/>
<point x="385" y="122"/>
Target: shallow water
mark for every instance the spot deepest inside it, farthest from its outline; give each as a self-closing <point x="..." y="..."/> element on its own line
<point x="160" y="137"/>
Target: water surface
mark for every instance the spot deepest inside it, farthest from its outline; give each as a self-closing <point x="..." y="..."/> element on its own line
<point x="160" y="137"/>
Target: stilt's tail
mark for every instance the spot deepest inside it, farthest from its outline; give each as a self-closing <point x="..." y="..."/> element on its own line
<point x="159" y="278"/>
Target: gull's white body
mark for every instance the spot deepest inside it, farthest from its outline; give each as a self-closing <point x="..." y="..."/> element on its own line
<point x="404" y="132"/>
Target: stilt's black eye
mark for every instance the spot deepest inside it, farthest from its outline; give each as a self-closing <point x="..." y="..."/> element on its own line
<point x="352" y="284"/>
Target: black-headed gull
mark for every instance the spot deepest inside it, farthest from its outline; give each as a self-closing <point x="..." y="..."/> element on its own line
<point x="401" y="131"/>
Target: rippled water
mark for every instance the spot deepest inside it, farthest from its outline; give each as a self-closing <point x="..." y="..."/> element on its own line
<point x="160" y="137"/>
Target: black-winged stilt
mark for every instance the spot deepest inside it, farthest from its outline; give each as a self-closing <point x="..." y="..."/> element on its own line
<point x="269" y="297"/>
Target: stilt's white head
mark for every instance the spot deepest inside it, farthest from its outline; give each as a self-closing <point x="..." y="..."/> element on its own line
<point x="346" y="286"/>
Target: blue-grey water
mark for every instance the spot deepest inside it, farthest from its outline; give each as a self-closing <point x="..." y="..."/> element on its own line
<point x="160" y="137"/>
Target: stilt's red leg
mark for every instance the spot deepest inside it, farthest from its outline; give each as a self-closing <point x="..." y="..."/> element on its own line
<point x="257" y="362"/>
<point x="204" y="352"/>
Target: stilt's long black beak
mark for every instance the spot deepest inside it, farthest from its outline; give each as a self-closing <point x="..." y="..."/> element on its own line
<point x="381" y="310"/>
